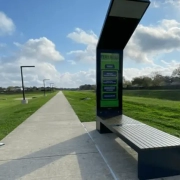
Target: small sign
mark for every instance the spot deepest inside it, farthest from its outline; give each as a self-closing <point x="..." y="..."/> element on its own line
<point x="109" y="82"/>
<point x="109" y="66"/>
<point x="109" y="79"/>
<point x="109" y="89"/>
<point x="109" y="96"/>
<point x="109" y="73"/>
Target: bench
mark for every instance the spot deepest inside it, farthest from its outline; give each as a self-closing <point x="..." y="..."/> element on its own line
<point x="158" y="152"/>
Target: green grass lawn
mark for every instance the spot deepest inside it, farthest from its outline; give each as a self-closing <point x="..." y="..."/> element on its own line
<point x="159" y="113"/>
<point x="159" y="94"/>
<point x="13" y="113"/>
<point x="85" y="109"/>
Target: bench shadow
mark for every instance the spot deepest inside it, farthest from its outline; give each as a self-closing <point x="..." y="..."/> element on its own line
<point x="121" y="158"/>
<point x="88" y="159"/>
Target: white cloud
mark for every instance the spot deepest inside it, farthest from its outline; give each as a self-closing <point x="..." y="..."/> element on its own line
<point x="42" y="49"/>
<point x="10" y="74"/>
<point x="83" y="37"/>
<point x="44" y="61"/>
<point x="71" y="62"/>
<point x="89" y="77"/>
<point x="155" y="4"/>
<point x="175" y="3"/>
<point x="79" y="78"/>
<point x="7" y="26"/>
<point x="38" y="52"/>
<point x="87" y="38"/>
<point x="146" y="43"/>
<point x="150" y="41"/>
<point x="165" y="69"/>
<point x="17" y="44"/>
<point x="165" y="3"/>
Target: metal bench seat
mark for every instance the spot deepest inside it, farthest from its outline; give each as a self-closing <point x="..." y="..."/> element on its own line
<point x="158" y="152"/>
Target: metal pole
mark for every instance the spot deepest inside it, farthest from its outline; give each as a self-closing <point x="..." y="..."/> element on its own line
<point x="51" y="86"/>
<point x="23" y="80"/>
<point x="22" y="83"/>
<point x="44" y="88"/>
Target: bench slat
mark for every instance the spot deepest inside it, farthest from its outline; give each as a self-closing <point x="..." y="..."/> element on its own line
<point x="156" y="136"/>
<point x="141" y="137"/>
<point x="168" y="138"/>
<point x="135" y="137"/>
<point x="131" y="139"/>
<point x="151" y="142"/>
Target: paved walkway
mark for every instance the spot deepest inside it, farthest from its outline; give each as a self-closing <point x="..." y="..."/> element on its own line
<point x="52" y="144"/>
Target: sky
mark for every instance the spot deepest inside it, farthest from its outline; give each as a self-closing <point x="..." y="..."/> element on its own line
<point x="59" y="38"/>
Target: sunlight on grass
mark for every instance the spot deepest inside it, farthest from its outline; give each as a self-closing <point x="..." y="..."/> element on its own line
<point x="13" y="113"/>
<point x="160" y="113"/>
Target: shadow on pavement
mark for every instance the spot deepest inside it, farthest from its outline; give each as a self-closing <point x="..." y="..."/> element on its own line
<point x="47" y="163"/>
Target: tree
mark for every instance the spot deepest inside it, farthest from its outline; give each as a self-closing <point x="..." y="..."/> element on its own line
<point x="157" y="79"/>
<point x="176" y="72"/>
<point x="137" y="81"/>
<point x="146" y="81"/>
<point x="124" y="79"/>
<point x="143" y="81"/>
<point x="168" y="80"/>
<point x="176" y="76"/>
<point x="126" y="82"/>
<point x="10" y="88"/>
<point x="87" y="87"/>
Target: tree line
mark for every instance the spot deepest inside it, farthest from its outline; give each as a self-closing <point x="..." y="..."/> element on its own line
<point x="28" y="89"/>
<point x="154" y="80"/>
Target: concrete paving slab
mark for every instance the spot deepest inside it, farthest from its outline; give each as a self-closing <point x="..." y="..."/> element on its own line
<point x="79" y="166"/>
<point x="121" y="158"/>
<point x="51" y="144"/>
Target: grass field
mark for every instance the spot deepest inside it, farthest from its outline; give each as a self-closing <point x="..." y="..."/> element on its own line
<point x="160" y="113"/>
<point x="85" y="109"/>
<point x="13" y="113"/>
<point x="159" y="94"/>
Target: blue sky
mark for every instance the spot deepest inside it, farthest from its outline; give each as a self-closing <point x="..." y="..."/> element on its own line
<point x="59" y="38"/>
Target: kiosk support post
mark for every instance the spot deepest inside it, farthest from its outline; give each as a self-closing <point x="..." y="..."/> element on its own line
<point x="123" y="16"/>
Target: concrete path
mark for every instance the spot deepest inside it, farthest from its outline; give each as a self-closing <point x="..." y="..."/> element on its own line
<point x="52" y="144"/>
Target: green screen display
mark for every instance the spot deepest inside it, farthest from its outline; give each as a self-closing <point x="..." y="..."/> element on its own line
<point x="109" y="79"/>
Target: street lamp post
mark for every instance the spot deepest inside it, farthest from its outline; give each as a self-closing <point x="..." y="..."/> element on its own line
<point x="44" y="86"/>
<point x="54" y="87"/>
<point x="24" y="101"/>
<point x="51" y="86"/>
